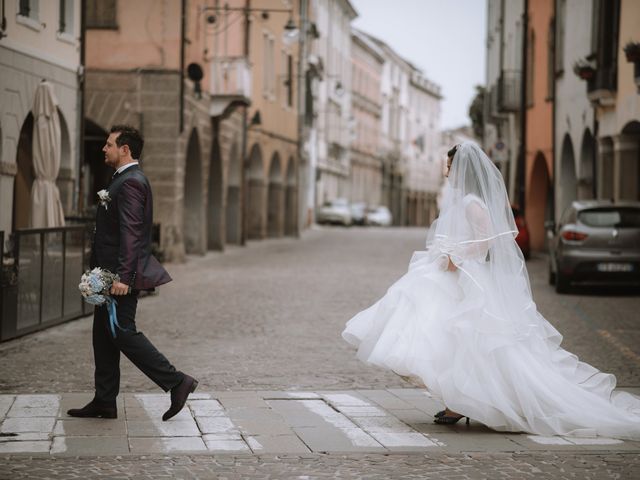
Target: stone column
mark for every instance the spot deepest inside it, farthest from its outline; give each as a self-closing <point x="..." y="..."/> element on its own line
<point x="626" y="171"/>
<point x="605" y="168"/>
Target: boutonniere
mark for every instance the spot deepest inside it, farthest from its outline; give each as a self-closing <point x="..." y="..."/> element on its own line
<point x="104" y="198"/>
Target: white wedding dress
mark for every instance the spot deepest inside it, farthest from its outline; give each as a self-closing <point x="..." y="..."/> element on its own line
<point x="474" y="335"/>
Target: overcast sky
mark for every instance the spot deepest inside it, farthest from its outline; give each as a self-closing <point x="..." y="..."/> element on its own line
<point x="444" y="38"/>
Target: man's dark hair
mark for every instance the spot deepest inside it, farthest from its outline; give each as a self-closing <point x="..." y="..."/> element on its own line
<point x="129" y="136"/>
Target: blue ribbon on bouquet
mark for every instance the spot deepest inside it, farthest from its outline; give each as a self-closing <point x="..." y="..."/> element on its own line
<point x="113" y="317"/>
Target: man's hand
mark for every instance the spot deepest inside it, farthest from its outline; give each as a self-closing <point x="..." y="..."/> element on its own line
<point x="119" y="288"/>
<point x="452" y="266"/>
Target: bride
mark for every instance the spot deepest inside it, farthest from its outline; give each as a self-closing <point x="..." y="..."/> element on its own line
<point x="463" y="320"/>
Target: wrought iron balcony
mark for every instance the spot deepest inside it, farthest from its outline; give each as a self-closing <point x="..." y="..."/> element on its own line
<point x="230" y="84"/>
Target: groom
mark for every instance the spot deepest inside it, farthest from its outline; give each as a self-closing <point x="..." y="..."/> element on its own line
<point x="122" y="245"/>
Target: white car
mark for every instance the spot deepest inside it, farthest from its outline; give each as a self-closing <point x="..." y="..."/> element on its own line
<point x="358" y="213"/>
<point x="335" y="212"/>
<point x="380" y="216"/>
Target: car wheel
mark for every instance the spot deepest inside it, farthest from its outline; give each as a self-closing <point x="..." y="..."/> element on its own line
<point x="552" y="276"/>
<point x="562" y="283"/>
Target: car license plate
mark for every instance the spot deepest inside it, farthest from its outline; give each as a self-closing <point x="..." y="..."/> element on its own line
<point x="615" y="267"/>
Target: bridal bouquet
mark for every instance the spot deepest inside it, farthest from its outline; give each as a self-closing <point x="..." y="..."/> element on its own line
<point x="95" y="286"/>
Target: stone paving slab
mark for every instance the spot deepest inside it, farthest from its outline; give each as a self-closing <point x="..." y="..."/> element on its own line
<point x="339" y="422"/>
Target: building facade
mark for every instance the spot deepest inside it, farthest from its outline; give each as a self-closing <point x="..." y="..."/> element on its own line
<point x="503" y="98"/>
<point x="39" y="41"/>
<point x="209" y="86"/>
<point x="574" y="121"/>
<point x="539" y="91"/>
<point x="612" y="87"/>
<point x="366" y="161"/>
<point x="333" y="128"/>
<point x="422" y="171"/>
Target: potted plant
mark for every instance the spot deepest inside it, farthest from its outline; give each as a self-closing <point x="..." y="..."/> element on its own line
<point x="632" y="51"/>
<point x="584" y="69"/>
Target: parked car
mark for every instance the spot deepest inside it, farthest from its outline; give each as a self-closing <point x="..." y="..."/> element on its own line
<point x="335" y="211"/>
<point x="380" y="216"/>
<point x="358" y="213"/>
<point x="523" y="239"/>
<point x="596" y="242"/>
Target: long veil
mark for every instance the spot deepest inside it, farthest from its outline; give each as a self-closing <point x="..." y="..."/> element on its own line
<point x="477" y="231"/>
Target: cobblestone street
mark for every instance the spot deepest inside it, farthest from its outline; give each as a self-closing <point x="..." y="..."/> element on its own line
<point x="257" y="322"/>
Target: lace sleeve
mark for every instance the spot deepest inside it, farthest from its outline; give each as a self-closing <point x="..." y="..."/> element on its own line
<point x="477" y="247"/>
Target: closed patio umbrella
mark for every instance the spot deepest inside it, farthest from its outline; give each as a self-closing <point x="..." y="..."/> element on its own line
<point x="46" y="208"/>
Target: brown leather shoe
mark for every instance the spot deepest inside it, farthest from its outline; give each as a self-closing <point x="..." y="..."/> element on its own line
<point x="179" y="395"/>
<point x="95" y="409"/>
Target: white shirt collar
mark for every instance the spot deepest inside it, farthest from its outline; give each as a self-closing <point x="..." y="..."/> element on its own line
<point x="124" y="167"/>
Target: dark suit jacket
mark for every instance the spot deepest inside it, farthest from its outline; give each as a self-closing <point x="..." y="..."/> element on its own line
<point x="122" y="237"/>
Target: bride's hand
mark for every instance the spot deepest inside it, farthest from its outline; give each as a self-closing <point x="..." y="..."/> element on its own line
<point x="452" y="266"/>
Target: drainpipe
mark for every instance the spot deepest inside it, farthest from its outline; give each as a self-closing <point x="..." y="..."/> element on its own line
<point x="79" y="191"/>
<point x="553" y="116"/>
<point x="183" y="21"/>
<point x="245" y="125"/>
<point x="303" y="175"/>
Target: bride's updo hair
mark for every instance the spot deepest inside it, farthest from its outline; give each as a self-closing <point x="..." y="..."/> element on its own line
<point x="451" y="153"/>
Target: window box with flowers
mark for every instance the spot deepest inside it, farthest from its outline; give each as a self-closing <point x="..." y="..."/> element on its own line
<point x="632" y="52"/>
<point x="584" y="69"/>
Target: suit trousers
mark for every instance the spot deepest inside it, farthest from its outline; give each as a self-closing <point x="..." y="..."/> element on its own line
<point x="133" y="344"/>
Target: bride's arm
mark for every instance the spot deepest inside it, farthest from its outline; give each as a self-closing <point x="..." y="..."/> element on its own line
<point x="478" y="247"/>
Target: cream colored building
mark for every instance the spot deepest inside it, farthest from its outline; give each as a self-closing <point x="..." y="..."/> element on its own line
<point x="366" y="159"/>
<point x="614" y="92"/>
<point x="332" y="132"/>
<point x="37" y="43"/>
<point x="423" y="177"/>
<point x="503" y="115"/>
<point x="574" y="115"/>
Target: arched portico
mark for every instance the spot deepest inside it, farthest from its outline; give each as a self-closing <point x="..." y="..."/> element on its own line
<point x="587" y="164"/>
<point x="291" y="200"/>
<point x="255" y="194"/>
<point x="275" y="198"/>
<point x="538" y="201"/>
<point x="234" y="211"/>
<point x="193" y="232"/>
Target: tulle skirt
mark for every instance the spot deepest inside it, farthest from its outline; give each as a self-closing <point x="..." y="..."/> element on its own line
<point x="439" y="326"/>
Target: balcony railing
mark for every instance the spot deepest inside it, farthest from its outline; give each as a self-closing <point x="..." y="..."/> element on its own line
<point x="509" y="91"/>
<point x="230" y="83"/>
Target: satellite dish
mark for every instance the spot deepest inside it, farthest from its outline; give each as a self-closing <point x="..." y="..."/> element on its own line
<point x="194" y="72"/>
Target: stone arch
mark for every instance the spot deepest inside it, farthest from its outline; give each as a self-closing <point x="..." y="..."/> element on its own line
<point x="193" y="232"/>
<point x="587" y="165"/>
<point x="538" y="202"/>
<point x="627" y="157"/>
<point x="567" y="176"/>
<point x="275" y="200"/>
<point x="215" y="218"/>
<point x="255" y="194"/>
<point x="95" y="174"/>
<point x="605" y="168"/>
<point x="24" y="178"/>
<point x="233" y="213"/>
<point x="291" y="200"/>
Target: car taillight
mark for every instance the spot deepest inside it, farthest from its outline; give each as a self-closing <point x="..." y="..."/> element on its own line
<point x="574" y="236"/>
